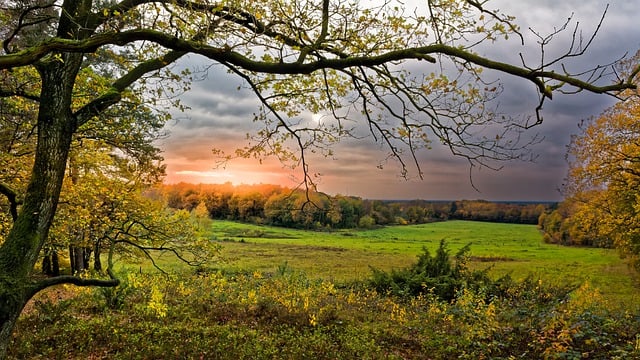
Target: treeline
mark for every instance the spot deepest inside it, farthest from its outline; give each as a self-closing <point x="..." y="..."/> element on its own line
<point x="576" y="223"/>
<point x="280" y="206"/>
<point x="504" y="212"/>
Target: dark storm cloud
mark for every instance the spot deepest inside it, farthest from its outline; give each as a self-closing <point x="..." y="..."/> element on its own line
<point x="220" y="116"/>
<point x="217" y="100"/>
<point x="209" y="103"/>
<point x="619" y="34"/>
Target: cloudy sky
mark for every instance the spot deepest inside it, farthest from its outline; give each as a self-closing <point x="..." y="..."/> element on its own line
<point x="220" y="116"/>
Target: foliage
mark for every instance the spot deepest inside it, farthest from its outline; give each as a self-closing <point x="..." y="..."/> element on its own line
<point x="287" y="315"/>
<point x="602" y="205"/>
<point x="437" y="274"/>
<point x="279" y="206"/>
<point x="279" y="311"/>
<point x="449" y="278"/>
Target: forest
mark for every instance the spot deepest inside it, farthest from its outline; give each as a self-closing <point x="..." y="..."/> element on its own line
<point x="275" y="205"/>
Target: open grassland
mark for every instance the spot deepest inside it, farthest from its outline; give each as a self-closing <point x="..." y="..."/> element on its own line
<point x="346" y="255"/>
<point x="293" y="294"/>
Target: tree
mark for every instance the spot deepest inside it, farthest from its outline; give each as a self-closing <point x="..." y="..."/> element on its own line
<point x="103" y="207"/>
<point x="334" y="57"/>
<point x="604" y="177"/>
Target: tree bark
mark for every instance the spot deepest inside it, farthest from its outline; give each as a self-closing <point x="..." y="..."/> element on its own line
<point x="46" y="265"/>
<point x="19" y="252"/>
<point x="55" y="264"/>
<point x="72" y="260"/>
<point x="86" y="257"/>
<point x="10" y="308"/>
<point x="50" y="264"/>
<point x="97" y="263"/>
<point x="78" y="257"/>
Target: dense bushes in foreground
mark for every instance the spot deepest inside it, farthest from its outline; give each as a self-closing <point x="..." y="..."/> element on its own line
<point x="286" y="315"/>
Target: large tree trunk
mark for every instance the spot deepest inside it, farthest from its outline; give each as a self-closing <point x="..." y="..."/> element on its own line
<point x="19" y="252"/>
<point x="11" y="309"/>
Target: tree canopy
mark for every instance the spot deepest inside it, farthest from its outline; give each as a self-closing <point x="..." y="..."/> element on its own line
<point x="602" y="204"/>
<point x="84" y="65"/>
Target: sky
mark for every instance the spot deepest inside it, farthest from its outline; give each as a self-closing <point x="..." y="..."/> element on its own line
<point x="220" y="116"/>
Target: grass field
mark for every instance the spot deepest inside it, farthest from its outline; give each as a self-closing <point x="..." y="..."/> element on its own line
<point x="346" y="255"/>
<point x="293" y="294"/>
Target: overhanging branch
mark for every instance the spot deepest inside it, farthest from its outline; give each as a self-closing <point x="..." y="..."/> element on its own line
<point x="113" y="95"/>
<point x="226" y="55"/>
<point x="69" y="279"/>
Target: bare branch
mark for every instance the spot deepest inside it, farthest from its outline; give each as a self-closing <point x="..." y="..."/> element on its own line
<point x="18" y="93"/>
<point x="147" y="249"/>
<point x="308" y="180"/>
<point x="479" y="5"/>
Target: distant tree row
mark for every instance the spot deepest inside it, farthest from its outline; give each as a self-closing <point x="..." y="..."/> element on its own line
<point x="276" y="205"/>
<point x="506" y="212"/>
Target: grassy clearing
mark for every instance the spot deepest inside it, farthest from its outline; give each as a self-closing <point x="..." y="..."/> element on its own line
<point x="347" y="254"/>
<point x="253" y="306"/>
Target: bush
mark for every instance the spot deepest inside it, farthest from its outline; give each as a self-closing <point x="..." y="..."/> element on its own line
<point x="437" y="274"/>
<point x="367" y="222"/>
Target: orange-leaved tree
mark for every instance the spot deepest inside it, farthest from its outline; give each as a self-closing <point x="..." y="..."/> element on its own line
<point x="604" y="177"/>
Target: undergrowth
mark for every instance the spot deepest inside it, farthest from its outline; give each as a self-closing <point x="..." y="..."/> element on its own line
<point x="286" y="315"/>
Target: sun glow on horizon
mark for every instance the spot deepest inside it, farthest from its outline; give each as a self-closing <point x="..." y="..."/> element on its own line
<point x="235" y="177"/>
<point x="212" y="174"/>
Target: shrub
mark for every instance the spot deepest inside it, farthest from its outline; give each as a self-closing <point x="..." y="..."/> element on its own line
<point x="367" y="222"/>
<point x="437" y="274"/>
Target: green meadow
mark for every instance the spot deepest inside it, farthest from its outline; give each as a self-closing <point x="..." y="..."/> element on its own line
<point x="292" y="294"/>
<point x="347" y="255"/>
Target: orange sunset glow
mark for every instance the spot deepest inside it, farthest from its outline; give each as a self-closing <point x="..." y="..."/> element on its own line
<point x="235" y="173"/>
